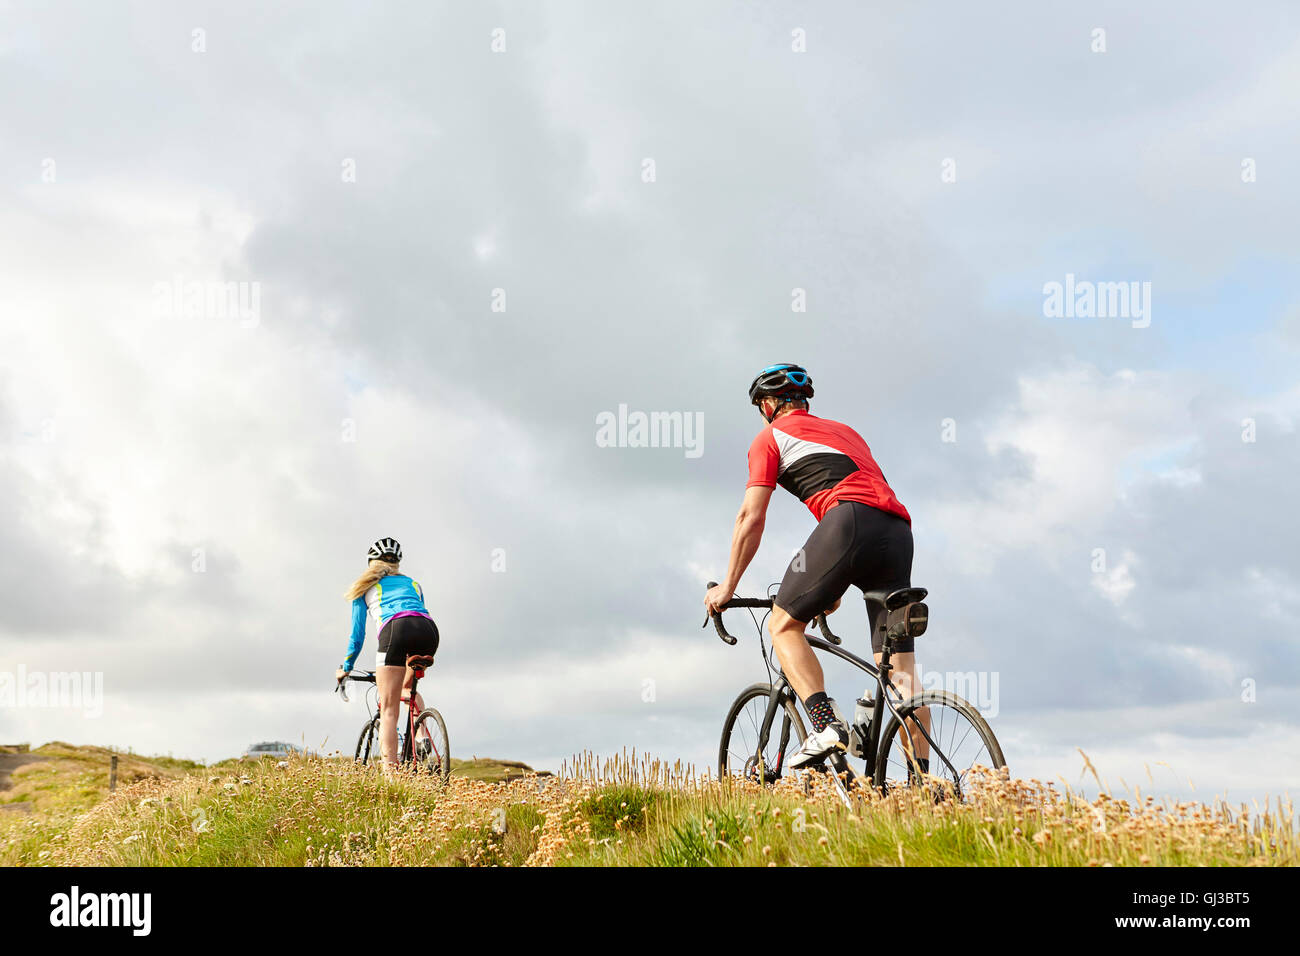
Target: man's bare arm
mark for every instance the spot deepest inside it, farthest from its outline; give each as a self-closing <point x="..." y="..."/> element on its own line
<point x="748" y="533"/>
<point x="745" y="539"/>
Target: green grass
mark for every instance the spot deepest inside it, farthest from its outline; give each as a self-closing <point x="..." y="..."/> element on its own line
<point x="314" y="812"/>
<point x="617" y="809"/>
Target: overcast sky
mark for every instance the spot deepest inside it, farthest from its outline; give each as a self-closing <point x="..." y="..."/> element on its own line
<point x="464" y="231"/>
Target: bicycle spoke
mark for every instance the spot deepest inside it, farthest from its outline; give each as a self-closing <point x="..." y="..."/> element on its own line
<point x="432" y="750"/>
<point x="742" y="757"/>
<point x="957" y="740"/>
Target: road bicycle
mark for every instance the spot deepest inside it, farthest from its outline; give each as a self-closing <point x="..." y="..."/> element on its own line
<point x="755" y="742"/>
<point x="421" y="738"/>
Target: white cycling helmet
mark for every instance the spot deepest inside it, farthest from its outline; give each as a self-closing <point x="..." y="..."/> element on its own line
<point x="385" y="549"/>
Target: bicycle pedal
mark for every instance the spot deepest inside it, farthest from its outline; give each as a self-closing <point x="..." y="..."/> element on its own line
<point x="823" y="762"/>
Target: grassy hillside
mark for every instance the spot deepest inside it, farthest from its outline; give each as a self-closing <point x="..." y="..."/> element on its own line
<point x="45" y="793"/>
<point x="331" y="812"/>
<point x="492" y="771"/>
<point x="59" y="776"/>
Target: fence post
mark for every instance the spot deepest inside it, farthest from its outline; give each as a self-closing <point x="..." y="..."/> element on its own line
<point x="112" y="775"/>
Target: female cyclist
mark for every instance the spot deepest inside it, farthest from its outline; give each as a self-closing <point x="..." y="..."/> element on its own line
<point x="396" y="604"/>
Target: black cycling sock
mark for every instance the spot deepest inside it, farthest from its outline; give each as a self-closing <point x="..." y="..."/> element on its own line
<point x="821" y="710"/>
<point x="923" y="763"/>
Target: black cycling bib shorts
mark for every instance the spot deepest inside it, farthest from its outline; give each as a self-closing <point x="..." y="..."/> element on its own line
<point x="413" y="634"/>
<point x="853" y="544"/>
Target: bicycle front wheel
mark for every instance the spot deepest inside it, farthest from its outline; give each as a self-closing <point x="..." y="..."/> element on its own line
<point x="961" y="735"/>
<point x="739" y="754"/>
<point x="368" y="743"/>
<point x="432" y="752"/>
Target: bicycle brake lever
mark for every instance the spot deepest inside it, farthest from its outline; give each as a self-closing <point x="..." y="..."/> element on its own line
<point x="820" y="620"/>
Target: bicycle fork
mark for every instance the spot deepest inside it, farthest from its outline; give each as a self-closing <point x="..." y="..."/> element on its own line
<point x="781" y="692"/>
<point x="839" y="771"/>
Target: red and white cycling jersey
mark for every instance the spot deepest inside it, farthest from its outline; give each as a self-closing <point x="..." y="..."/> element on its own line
<point x="820" y="462"/>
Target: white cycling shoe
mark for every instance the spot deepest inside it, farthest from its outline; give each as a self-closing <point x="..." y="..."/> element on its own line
<point x="820" y="745"/>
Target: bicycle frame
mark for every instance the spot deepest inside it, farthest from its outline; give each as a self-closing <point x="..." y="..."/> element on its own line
<point x="871" y="746"/>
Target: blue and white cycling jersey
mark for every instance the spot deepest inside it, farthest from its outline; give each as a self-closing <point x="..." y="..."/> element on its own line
<point x="390" y="596"/>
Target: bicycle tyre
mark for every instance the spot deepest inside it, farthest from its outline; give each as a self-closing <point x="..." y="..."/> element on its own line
<point x="935" y="699"/>
<point x="367" y="743"/>
<point x="797" y="732"/>
<point x="438" y="763"/>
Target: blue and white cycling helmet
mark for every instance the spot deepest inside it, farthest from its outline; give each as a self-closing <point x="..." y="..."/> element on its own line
<point x="781" y="381"/>
<point x="385" y="549"/>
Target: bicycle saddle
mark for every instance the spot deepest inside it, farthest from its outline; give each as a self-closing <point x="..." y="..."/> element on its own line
<point x="896" y="599"/>
<point x="419" y="661"/>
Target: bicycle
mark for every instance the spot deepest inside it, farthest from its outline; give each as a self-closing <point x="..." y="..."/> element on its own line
<point x="885" y="767"/>
<point x="428" y="754"/>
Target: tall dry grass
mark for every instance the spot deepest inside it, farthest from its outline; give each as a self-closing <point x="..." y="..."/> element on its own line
<point x="633" y="811"/>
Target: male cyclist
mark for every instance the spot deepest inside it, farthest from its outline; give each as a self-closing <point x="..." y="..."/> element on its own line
<point x="863" y="537"/>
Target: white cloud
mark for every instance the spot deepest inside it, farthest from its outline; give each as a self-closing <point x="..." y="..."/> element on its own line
<point x="1116" y="582"/>
<point x="1075" y="428"/>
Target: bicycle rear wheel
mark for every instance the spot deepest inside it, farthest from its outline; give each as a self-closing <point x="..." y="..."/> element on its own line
<point x="961" y="734"/>
<point x="738" y="753"/>
<point x="368" y="743"/>
<point x="432" y="754"/>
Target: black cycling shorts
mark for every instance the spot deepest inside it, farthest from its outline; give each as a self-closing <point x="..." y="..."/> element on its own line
<point x="406" y="635"/>
<point x="853" y="544"/>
